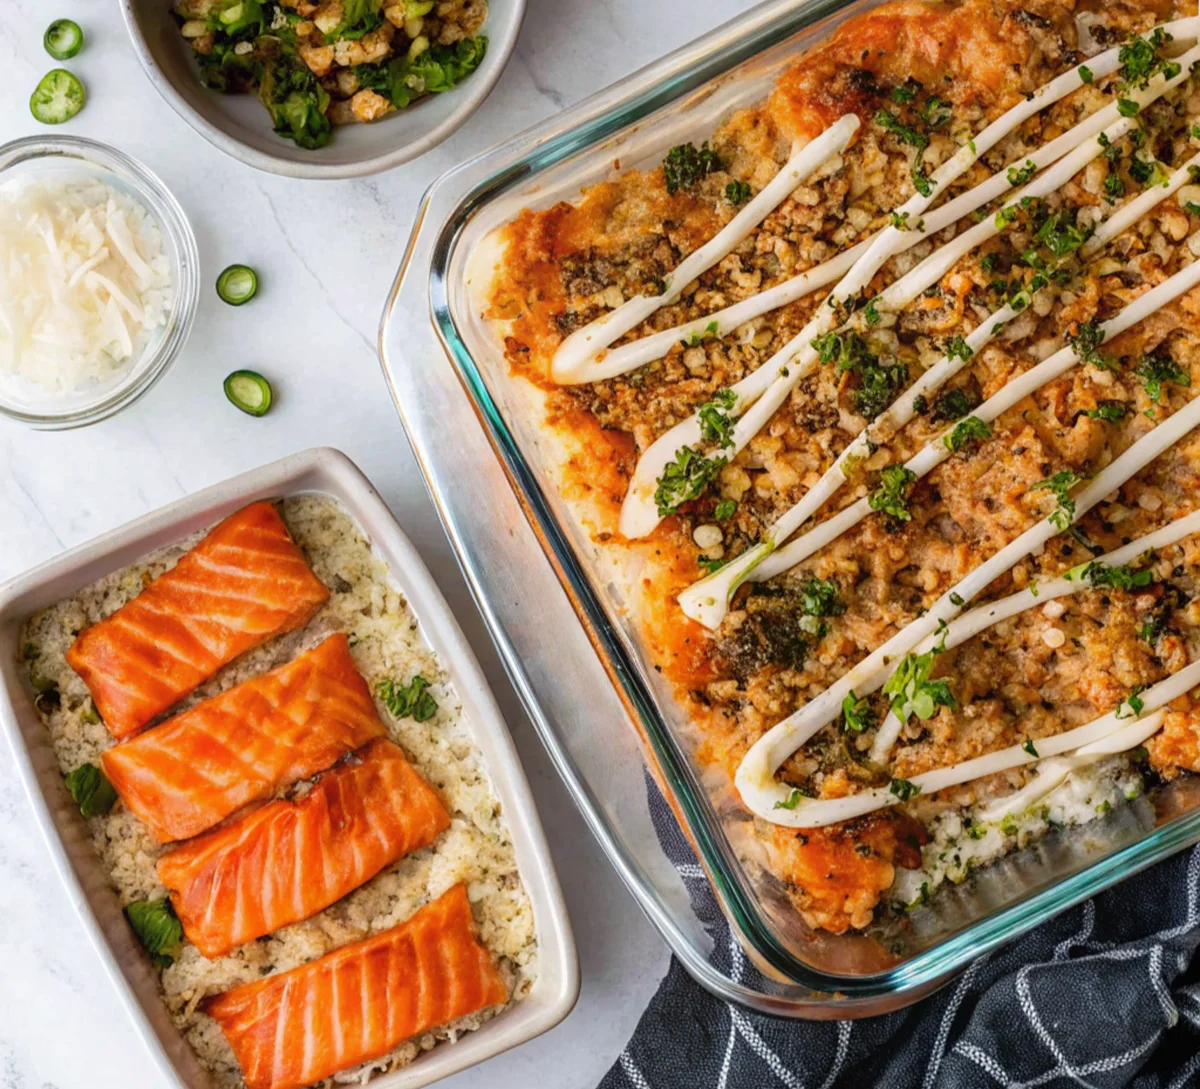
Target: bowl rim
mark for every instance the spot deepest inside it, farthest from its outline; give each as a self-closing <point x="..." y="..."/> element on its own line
<point x="162" y="203"/>
<point x="473" y="94"/>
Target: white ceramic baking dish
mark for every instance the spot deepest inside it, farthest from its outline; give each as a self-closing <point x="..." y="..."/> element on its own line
<point x="327" y="472"/>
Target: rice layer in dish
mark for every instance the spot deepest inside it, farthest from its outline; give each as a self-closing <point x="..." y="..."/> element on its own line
<point x="386" y="644"/>
<point x="921" y="81"/>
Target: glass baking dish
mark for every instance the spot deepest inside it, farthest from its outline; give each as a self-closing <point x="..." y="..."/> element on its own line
<point x="570" y="648"/>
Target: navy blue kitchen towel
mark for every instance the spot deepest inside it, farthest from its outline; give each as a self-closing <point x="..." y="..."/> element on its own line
<point x="1105" y="995"/>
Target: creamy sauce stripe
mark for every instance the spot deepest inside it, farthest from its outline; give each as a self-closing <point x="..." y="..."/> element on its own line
<point x="708" y="599"/>
<point x="759" y="395"/>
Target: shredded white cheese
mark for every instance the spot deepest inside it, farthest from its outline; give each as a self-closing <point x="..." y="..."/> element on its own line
<point x="84" y="280"/>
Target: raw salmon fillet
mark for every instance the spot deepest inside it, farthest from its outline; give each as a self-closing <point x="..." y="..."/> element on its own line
<point x="361" y="1001"/>
<point x="288" y="860"/>
<point x="195" y="769"/>
<point x="244" y="583"/>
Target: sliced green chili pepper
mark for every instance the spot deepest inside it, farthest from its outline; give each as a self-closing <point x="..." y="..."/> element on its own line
<point x="237" y="284"/>
<point x="249" y="391"/>
<point x="63" y="39"/>
<point x="58" y="98"/>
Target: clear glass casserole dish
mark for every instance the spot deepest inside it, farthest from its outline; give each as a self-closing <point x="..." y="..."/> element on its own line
<point x="572" y="651"/>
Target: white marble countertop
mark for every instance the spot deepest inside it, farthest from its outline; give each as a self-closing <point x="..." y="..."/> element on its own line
<point x="327" y="253"/>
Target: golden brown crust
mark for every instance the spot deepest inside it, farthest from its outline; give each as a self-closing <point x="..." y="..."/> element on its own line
<point x="568" y="264"/>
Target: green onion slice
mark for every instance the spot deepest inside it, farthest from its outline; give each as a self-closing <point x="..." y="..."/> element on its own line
<point x="237" y="284"/>
<point x="63" y="39"/>
<point x="57" y="98"/>
<point x="249" y="391"/>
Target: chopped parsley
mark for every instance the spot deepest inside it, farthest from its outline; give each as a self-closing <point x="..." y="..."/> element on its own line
<point x="91" y="790"/>
<point x="1140" y="60"/>
<point x="1118" y="578"/>
<point x="967" y="431"/>
<point x="1030" y="748"/>
<point x="1154" y="369"/>
<point x="1109" y="411"/>
<point x="685" y="478"/>
<point x="725" y="510"/>
<point x="1019" y="175"/>
<point x="904" y="789"/>
<point x="1085" y="73"/>
<point x="686" y="165"/>
<point x="1086" y="344"/>
<point x="709" y="566"/>
<point x="737" y="192"/>
<point x="1126" y="107"/>
<point x="856" y="714"/>
<point x="880" y="384"/>
<point x="891" y="495"/>
<point x="906" y="134"/>
<point x="911" y="690"/>
<point x="707" y="333"/>
<point x="953" y="404"/>
<point x="408" y="700"/>
<point x="958" y="348"/>
<point x="1060" y="235"/>
<point x="819" y="597"/>
<point x="1148" y="172"/>
<point x="1192" y="207"/>
<point x="1060" y="485"/>
<point x="716" y="419"/>
<point x="1133" y="704"/>
<point x="792" y="799"/>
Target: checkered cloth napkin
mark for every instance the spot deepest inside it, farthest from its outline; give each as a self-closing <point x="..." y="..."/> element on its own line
<point x="1104" y="995"/>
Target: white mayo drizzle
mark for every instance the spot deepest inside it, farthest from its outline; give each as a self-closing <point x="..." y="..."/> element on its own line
<point x="707" y="600"/>
<point x="582" y="357"/>
<point x="760" y="394"/>
<point x="977" y="620"/>
<point x="570" y="363"/>
<point x="1112" y="731"/>
<point x="755" y="776"/>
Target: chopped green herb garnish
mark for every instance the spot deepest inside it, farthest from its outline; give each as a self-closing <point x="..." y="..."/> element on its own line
<point x="911" y="690"/>
<point x="1030" y="748"/>
<point x="891" y="495"/>
<point x="1019" y="175"/>
<point x="1154" y="369"/>
<point x="709" y="566"/>
<point x="1126" y="107"/>
<point x="958" y="348"/>
<point x="1140" y="60"/>
<point x="1114" y="187"/>
<point x="1148" y="172"/>
<point x="1086" y="344"/>
<point x="970" y="430"/>
<point x="1118" y="578"/>
<point x="1060" y="485"/>
<point x="904" y="789"/>
<point x="91" y="790"/>
<point x="1060" y="235"/>
<point x="953" y="404"/>
<point x="871" y="312"/>
<point x="1109" y="411"/>
<point x="737" y="192"/>
<point x="157" y="928"/>
<point x="819" y="597"/>
<point x="686" y="165"/>
<point x="1192" y="207"/>
<point x="1085" y="73"/>
<point x="685" y="478"/>
<point x="1133" y="704"/>
<point x="410" y="700"/>
<point x="956" y="599"/>
<point x="856" y="714"/>
<point x="725" y="510"/>
<point x="716" y="418"/>
<point x="707" y="333"/>
<point x="792" y="800"/>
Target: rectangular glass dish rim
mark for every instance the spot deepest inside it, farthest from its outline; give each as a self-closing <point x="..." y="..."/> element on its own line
<point x="527" y="155"/>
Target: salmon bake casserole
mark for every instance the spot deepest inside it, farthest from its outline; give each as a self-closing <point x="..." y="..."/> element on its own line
<point x="877" y="405"/>
<point x="279" y="779"/>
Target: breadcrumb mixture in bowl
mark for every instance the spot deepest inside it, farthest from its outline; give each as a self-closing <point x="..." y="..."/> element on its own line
<point x="387" y="645"/>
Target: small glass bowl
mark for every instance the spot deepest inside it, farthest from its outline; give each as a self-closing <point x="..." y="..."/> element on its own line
<point x="73" y="156"/>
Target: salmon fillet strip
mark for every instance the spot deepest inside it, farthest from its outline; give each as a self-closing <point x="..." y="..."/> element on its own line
<point x="194" y="770"/>
<point x="361" y="1001"/>
<point x="244" y="583"/>
<point x="287" y="860"/>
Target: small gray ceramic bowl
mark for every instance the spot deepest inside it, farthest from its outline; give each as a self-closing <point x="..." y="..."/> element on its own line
<point x="239" y="126"/>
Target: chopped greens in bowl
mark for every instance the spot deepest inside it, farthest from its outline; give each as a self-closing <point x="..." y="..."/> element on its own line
<point x="338" y="62"/>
